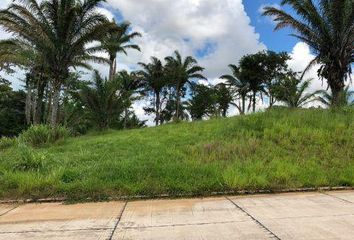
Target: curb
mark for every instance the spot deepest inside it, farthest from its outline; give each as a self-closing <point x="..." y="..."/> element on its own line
<point x="178" y="196"/>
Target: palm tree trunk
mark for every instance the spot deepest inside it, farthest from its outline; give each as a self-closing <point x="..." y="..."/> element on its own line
<point x="254" y="102"/>
<point x="178" y="100"/>
<point x="55" y="106"/>
<point x="243" y="110"/>
<point x="125" y="118"/>
<point x="157" y="106"/>
<point x="112" y="68"/>
<point x="28" y="104"/>
<point x="337" y="95"/>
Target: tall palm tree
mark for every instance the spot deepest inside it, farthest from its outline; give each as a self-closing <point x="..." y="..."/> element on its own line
<point x="293" y="91"/>
<point x="60" y="30"/>
<point x="117" y="40"/>
<point x="181" y="71"/>
<point x="129" y="85"/>
<point x="153" y="75"/>
<point x="240" y="86"/>
<point x="327" y="26"/>
<point x="327" y="99"/>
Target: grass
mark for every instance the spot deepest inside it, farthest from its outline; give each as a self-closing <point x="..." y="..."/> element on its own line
<point x="278" y="149"/>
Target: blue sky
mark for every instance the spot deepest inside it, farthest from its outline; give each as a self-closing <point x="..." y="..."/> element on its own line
<point x="274" y="40"/>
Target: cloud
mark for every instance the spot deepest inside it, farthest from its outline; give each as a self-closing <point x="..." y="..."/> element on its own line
<point x="216" y="32"/>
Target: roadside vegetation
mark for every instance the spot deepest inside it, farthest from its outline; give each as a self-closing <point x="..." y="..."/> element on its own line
<point x="277" y="149"/>
<point x="65" y="135"/>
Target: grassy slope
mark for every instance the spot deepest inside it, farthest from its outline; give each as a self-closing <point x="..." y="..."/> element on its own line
<point x="272" y="150"/>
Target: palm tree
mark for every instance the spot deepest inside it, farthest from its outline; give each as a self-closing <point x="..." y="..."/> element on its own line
<point x="327" y="99"/>
<point x="180" y="71"/>
<point x="153" y="76"/>
<point x="240" y="86"/>
<point x="101" y="101"/>
<point x="16" y="52"/>
<point x="60" y="30"/>
<point x="129" y="85"/>
<point x="117" y="40"/>
<point x="293" y="91"/>
<point x="328" y="28"/>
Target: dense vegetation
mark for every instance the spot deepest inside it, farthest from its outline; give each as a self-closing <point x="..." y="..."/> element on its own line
<point x="278" y="149"/>
<point x="52" y="39"/>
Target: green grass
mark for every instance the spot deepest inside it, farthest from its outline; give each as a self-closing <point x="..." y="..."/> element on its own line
<point x="278" y="149"/>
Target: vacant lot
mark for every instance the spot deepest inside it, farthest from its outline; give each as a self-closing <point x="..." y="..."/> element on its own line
<point x="273" y="150"/>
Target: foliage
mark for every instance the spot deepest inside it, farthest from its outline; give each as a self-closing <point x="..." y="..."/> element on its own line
<point x="328" y="28"/>
<point x="40" y="135"/>
<point x="29" y="160"/>
<point x="346" y="97"/>
<point x="277" y="149"/>
<point x="293" y="91"/>
<point x="117" y="40"/>
<point x="12" y="110"/>
<point x="59" y="32"/>
<point x="180" y="72"/>
<point x="6" y="142"/>
<point x="101" y="101"/>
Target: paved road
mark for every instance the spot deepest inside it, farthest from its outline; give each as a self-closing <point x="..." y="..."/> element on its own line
<point x="283" y="216"/>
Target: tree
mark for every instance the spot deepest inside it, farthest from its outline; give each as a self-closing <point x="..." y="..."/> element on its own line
<point x="128" y="86"/>
<point x="117" y="40"/>
<point x="101" y="101"/>
<point x="60" y="30"/>
<point x="202" y="102"/>
<point x="223" y="99"/>
<point x="328" y="28"/>
<point x="327" y="98"/>
<point x="155" y="82"/>
<point x="239" y="86"/>
<point x="293" y="91"/>
<point x="180" y="72"/>
<point x="252" y="70"/>
<point x="12" y="110"/>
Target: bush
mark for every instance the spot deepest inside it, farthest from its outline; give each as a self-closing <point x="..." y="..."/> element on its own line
<point x="6" y="143"/>
<point x="40" y="135"/>
<point x="29" y="160"/>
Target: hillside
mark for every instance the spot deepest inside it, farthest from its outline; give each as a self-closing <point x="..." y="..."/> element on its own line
<point x="278" y="149"/>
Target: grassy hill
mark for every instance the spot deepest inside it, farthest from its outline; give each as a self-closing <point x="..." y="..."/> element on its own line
<point x="277" y="149"/>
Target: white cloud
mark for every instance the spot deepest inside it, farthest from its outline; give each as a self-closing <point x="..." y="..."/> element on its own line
<point x="221" y="29"/>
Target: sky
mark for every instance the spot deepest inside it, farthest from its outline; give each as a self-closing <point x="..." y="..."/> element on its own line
<point x="216" y="32"/>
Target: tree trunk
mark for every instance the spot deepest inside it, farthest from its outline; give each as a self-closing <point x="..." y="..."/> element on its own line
<point x="178" y="100"/>
<point x="112" y="68"/>
<point x="28" y="107"/>
<point x="157" y="106"/>
<point x="254" y="102"/>
<point x="125" y="118"/>
<point x="337" y="95"/>
<point x="55" y="106"/>
<point x="39" y="106"/>
<point x="243" y="111"/>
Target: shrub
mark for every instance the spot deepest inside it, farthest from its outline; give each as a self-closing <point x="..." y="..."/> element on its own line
<point x="40" y="135"/>
<point x="6" y="143"/>
<point x="28" y="160"/>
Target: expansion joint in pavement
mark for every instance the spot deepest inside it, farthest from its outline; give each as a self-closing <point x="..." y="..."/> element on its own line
<point x="254" y="219"/>
<point x="8" y="211"/>
<point x="117" y="221"/>
<point x="339" y="198"/>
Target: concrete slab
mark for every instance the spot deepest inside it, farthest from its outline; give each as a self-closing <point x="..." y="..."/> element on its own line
<point x="51" y="219"/>
<point x="302" y="216"/>
<point x="212" y="218"/>
<point x="5" y="208"/>
<point x="344" y="195"/>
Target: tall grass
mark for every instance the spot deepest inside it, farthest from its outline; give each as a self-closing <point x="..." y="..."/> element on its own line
<point x="40" y="135"/>
<point x="277" y="149"/>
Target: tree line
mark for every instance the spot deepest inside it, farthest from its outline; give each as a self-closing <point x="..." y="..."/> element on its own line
<point x="54" y="39"/>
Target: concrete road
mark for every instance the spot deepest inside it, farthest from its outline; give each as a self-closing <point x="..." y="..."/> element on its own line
<point x="307" y="216"/>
